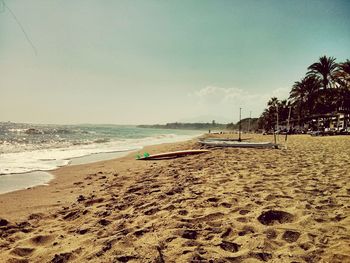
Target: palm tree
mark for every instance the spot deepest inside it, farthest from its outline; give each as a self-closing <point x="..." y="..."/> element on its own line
<point x="325" y="68"/>
<point x="343" y="75"/>
<point x="312" y="88"/>
<point x="267" y="119"/>
<point x="298" y="94"/>
<point x="324" y="92"/>
<point x="297" y="98"/>
<point x="283" y="110"/>
<point x="342" y="96"/>
<point x="273" y="102"/>
<point x="303" y="96"/>
<point x="345" y="66"/>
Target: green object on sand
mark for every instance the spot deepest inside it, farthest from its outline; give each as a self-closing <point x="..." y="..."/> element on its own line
<point x="138" y="156"/>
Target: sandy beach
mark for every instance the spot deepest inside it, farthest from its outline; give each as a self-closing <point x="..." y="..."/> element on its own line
<point x="228" y="205"/>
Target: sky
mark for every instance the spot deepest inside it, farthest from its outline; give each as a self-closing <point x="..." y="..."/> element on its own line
<point x="139" y="62"/>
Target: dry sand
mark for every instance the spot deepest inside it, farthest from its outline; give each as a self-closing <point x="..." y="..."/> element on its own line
<point x="229" y="205"/>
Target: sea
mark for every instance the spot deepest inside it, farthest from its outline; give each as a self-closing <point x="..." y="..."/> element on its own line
<point x="26" y="150"/>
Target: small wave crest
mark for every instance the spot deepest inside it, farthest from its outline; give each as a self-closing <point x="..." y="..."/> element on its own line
<point x="28" y="147"/>
<point x="18" y="130"/>
<point x="49" y="158"/>
<point x="103" y="140"/>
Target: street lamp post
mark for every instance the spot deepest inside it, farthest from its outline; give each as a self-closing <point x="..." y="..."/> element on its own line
<point x="240" y="125"/>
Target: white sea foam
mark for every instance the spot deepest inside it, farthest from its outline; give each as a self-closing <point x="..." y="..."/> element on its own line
<point x="14" y="182"/>
<point x="52" y="158"/>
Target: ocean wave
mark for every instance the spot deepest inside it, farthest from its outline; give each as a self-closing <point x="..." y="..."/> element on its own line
<point x="18" y="130"/>
<point x="41" y="131"/>
<point x="33" y="131"/>
<point x="49" y="158"/>
<point x="28" y="147"/>
<point x="63" y="131"/>
<point x="103" y="140"/>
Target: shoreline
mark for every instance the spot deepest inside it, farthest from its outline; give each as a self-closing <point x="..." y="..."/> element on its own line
<point x="21" y="181"/>
<point x="61" y="178"/>
<point x="45" y="157"/>
<point x="228" y="204"/>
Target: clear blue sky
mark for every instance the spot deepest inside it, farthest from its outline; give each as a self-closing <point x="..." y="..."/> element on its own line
<point x="160" y="61"/>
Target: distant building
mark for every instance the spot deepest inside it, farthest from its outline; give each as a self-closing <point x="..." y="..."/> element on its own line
<point x="336" y="121"/>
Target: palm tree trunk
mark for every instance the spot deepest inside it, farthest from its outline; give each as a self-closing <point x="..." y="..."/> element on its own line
<point x="299" y="116"/>
<point x="338" y="119"/>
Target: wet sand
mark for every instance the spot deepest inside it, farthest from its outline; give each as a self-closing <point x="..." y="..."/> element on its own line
<point x="229" y="205"/>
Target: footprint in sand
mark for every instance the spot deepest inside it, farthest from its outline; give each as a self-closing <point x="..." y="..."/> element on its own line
<point x="271" y="234"/>
<point x="62" y="258"/>
<point x="213" y="199"/>
<point x="246" y="230"/>
<point x="22" y="251"/>
<point x="141" y="232"/>
<point x="125" y="258"/>
<point x="226" y="205"/>
<point x="227" y="232"/>
<point x="291" y="236"/>
<point x="189" y="234"/>
<point x="41" y="240"/>
<point x="36" y="216"/>
<point x="104" y="222"/>
<point x="3" y="222"/>
<point x="83" y="231"/>
<point x="306" y="246"/>
<point x="272" y="217"/>
<point x="72" y="215"/>
<point x="17" y="260"/>
<point x="261" y="256"/>
<point x="244" y="212"/>
<point x="183" y="212"/>
<point x="230" y="246"/>
<point x="152" y="211"/>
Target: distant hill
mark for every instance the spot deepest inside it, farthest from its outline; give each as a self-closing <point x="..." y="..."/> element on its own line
<point x="246" y="124"/>
<point x="187" y="126"/>
<point x="205" y="119"/>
